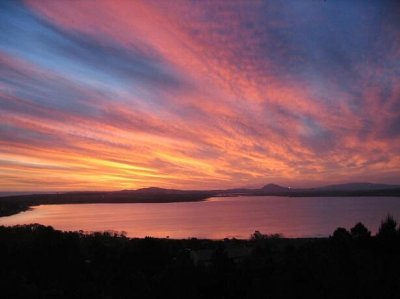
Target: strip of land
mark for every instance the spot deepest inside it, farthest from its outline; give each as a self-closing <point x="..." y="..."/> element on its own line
<point x="10" y="205"/>
<point x="14" y="204"/>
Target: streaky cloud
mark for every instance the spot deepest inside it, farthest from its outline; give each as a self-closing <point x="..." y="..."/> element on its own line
<point x="182" y="94"/>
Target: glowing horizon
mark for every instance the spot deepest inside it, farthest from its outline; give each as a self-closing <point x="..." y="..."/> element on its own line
<point x="109" y="95"/>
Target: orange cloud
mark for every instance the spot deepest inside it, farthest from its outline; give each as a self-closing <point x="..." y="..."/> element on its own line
<point x="245" y="103"/>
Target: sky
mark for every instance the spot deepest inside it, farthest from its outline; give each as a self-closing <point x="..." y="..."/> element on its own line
<point x="109" y="95"/>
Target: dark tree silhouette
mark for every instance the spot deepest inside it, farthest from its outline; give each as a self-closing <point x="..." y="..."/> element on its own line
<point x="387" y="230"/>
<point x="39" y="262"/>
<point x="341" y="234"/>
<point x="257" y="235"/>
<point x="360" y="232"/>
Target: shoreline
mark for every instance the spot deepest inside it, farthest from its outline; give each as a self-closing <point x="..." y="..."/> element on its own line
<point x="12" y="205"/>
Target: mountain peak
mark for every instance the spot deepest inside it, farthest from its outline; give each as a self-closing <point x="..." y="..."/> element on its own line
<point x="274" y="188"/>
<point x="153" y="190"/>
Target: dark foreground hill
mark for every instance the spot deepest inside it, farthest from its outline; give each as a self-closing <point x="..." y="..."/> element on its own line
<point x="40" y="262"/>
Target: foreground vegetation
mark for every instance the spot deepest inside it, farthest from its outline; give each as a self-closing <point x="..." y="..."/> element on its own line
<point x="40" y="262"/>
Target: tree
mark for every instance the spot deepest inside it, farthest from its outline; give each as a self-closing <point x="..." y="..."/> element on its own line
<point x="360" y="232"/>
<point x="341" y="234"/>
<point x="256" y="236"/>
<point x="387" y="230"/>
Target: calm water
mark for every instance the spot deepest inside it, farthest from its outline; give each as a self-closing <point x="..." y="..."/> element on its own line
<point x="218" y="218"/>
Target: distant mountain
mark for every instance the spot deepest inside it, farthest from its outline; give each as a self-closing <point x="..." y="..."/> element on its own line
<point x="274" y="188"/>
<point x="152" y="190"/>
<point x="358" y="187"/>
<point x="13" y="204"/>
<point x="163" y="191"/>
<point x="349" y="189"/>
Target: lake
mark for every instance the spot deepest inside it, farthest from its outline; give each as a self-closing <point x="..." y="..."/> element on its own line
<point x="218" y="217"/>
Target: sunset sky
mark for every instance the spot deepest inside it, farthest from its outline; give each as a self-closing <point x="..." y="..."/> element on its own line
<point x="108" y="95"/>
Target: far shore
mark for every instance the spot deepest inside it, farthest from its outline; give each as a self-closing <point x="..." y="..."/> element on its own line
<point x="20" y="203"/>
<point x="10" y="205"/>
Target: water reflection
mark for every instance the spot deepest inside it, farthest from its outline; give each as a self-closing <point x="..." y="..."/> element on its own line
<point x="218" y="217"/>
